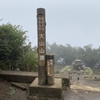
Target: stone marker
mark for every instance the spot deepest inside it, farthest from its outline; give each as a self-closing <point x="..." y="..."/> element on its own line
<point x="45" y="85"/>
<point x="41" y="46"/>
<point x="50" y="69"/>
<point x="45" y="62"/>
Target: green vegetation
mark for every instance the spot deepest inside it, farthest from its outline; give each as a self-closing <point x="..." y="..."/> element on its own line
<point x="28" y="59"/>
<point x="67" y="54"/>
<point x="96" y="71"/>
<point x="69" y="67"/>
<point x="89" y="71"/>
<point x="65" y="84"/>
<point x="14" y="52"/>
<point x="12" y="90"/>
<point x="58" y="67"/>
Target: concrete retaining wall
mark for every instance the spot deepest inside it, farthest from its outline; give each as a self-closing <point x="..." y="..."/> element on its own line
<point x="28" y="77"/>
<point x="18" y="76"/>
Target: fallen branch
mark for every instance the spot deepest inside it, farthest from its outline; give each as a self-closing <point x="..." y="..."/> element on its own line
<point x="19" y="86"/>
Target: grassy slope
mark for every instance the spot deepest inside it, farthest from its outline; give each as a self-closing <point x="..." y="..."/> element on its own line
<point x="96" y="71"/>
<point x="58" y="67"/>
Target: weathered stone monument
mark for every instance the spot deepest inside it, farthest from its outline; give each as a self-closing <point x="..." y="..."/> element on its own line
<point x="41" y="46"/>
<point x="45" y="62"/>
<point x="45" y="85"/>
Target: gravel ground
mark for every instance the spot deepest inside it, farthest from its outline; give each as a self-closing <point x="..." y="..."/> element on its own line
<point x="6" y="92"/>
<point x="81" y="94"/>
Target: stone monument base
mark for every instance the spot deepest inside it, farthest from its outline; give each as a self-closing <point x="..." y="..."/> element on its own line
<point x="46" y="91"/>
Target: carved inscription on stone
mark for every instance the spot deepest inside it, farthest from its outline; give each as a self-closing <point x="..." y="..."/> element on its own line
<point x="50" y="64"/>
<point x="41" y="40"/>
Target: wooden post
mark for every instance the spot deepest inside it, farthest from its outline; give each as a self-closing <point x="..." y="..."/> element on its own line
<point x="41" y="46"/>
<point x="50" y="69"/>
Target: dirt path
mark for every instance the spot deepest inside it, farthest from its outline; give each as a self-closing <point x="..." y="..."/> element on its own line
<point x="8" y="92"/>
<point x="85" y="88"/>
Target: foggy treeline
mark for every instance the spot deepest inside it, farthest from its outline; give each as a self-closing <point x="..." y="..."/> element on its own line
<point x="67" y="54"/>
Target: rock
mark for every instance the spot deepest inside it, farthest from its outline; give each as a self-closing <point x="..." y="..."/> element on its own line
<point x="86" y="76"/>
<point x="86" y="92"/>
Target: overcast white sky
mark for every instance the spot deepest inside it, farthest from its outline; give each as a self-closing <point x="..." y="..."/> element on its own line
<point x="74" y="22"/>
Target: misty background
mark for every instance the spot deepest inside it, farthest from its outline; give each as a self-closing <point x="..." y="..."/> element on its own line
<point x="74" y="22"/>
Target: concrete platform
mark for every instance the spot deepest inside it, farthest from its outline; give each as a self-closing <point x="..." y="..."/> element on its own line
<point x="53" y="91"/>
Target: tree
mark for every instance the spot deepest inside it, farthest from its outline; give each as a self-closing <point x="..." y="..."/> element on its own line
<point x="88" y="55"/>
<point x="12" y="39"/>
<point x="53" y="49"/>
<point x="28" y="59"/>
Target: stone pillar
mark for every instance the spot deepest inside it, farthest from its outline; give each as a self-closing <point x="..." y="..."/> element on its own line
<point x="50" y="69"/>
<point x="41" y="45"/>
